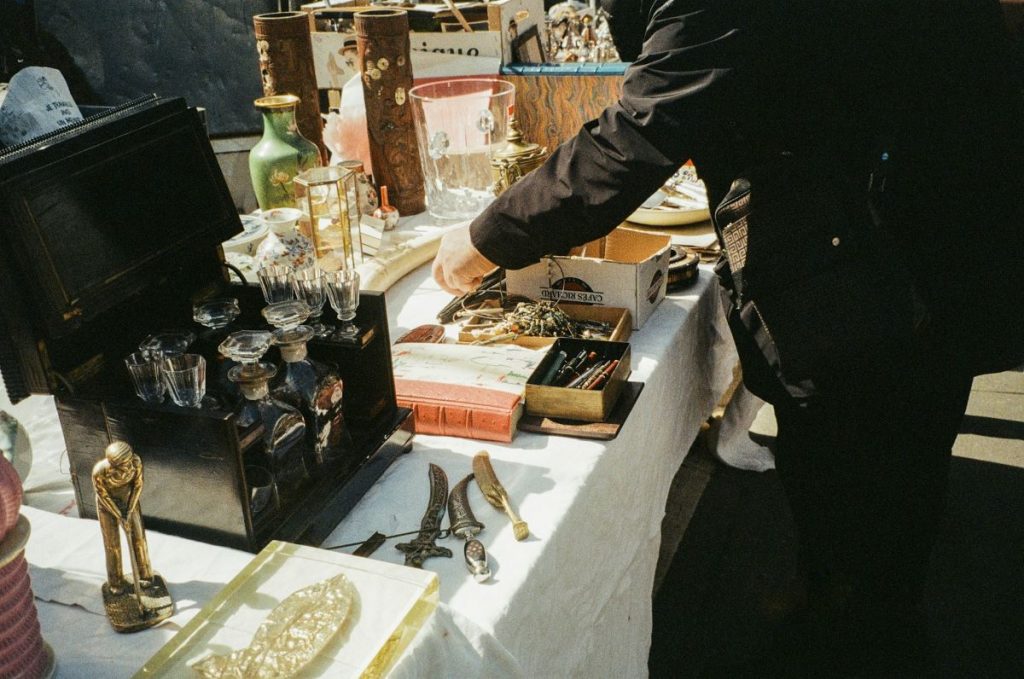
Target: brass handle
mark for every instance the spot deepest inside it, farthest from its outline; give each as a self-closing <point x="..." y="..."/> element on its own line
<point x="519" y="527"/>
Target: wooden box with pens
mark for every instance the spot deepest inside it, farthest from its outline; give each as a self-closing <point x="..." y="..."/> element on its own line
<point x="578" y="380"/>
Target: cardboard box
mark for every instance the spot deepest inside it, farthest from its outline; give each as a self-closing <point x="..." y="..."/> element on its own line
<point x="627" y="268"/>
<point x="585" y="405"/>
<point x="620" y="320"/>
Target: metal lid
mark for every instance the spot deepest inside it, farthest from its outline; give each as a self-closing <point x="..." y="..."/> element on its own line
<point x="353" y="165"/>
<point x="517" y="148"/>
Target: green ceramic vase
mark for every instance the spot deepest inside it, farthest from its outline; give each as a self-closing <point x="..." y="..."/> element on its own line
<point x="280" y="154"/>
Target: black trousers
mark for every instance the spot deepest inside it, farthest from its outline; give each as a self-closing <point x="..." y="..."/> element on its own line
<point x="866" y="472"/>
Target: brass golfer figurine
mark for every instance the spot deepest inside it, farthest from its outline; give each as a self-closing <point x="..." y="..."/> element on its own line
<point x="144" y="601"/>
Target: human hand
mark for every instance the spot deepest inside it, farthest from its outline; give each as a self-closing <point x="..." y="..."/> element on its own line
<point x="458" y="266"/>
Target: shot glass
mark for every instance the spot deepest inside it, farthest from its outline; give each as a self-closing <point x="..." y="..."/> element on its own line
<point x="186" y="379"/>
<point x="147" y="377"/>
<point x="275" y="281"/>
<point x="343" y="292"/>
<point x="308" y="286"/>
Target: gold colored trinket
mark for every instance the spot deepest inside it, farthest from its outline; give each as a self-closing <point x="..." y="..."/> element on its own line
<point x="144" y="601"/>
<point x="374" y="73"/>
<point x="400" y="95"/>
<point x="536" y="319"/>
<point x="516" y="159"/>
<point x="383" y="64"/>
<point x="496" y="494"/>
<point x="291" y="636"/>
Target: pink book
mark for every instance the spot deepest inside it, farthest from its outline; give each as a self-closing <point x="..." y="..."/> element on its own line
<point x="460" y="410"/>
<point x="461" y="390"/>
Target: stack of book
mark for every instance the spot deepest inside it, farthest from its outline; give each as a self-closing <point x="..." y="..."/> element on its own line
<point x="464" y="390"/>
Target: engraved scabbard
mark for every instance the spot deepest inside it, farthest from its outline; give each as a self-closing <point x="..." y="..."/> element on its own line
<point x="465" y="525"/>
<point x="423" y="545"/>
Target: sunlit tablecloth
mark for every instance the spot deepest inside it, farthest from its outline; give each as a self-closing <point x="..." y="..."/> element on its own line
<point x="572" y="600"/>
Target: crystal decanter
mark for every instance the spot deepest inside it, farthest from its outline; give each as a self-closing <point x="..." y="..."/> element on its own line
<point x="284" y="430"/>
<point x="312" y="387"/>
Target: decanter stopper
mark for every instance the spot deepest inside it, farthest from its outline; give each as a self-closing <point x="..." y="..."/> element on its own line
<point x="287" y="315"/>
<point x="290" y="336"/>
<point x="216" y="313"/>
<point x="247" y="347"/>
<point x="167" y="343"/>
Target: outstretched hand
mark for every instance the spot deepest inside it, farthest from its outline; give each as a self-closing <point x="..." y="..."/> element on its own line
<point x="458" y="266"/>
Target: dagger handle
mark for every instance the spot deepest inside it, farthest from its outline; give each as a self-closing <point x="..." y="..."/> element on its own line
<point x="476" y="560"/>
<point x="519" y="528"/>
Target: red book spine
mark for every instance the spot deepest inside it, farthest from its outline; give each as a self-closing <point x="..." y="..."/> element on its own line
<point x="457" y="410"/>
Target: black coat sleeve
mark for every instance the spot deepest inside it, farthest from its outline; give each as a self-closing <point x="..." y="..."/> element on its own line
<point x="672" y="96"/>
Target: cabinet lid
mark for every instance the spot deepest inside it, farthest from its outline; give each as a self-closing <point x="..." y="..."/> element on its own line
<point x="92" y="219"/>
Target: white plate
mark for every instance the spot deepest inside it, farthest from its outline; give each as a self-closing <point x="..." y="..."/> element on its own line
<point x="668" y="217"/>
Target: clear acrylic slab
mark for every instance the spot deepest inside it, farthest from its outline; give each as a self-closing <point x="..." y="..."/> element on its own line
<point x="393" y="604"/>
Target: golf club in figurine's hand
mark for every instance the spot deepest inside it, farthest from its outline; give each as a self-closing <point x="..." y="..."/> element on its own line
<point x="343" y="292"/>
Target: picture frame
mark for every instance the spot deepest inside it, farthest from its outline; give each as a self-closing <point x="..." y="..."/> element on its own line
<point x="527" y="48"/>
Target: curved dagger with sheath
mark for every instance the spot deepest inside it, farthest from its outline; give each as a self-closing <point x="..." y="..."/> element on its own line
<point x="422" y="546"/>
<point x="465" y="526"/>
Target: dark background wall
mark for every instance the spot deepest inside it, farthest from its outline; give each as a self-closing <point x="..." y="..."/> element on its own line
<point x="203" y="50"/>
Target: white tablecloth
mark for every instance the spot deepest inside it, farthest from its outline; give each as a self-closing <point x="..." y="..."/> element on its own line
<point x="572" y="600"/>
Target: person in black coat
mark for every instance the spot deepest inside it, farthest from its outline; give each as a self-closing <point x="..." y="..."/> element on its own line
<point x="727" y="83"/>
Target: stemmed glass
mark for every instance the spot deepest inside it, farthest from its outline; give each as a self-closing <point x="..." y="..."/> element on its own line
<point x="308" y="286"/>
<point x="275" y="281"/>
<point x="343" y="292"/>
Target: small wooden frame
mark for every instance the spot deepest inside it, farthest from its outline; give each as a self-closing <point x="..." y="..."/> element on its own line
<point x="528" y="48"/>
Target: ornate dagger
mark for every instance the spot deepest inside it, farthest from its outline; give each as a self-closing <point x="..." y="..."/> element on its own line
<point x="422" y="546"/>
<point x="465" y="526"/>
<point x="496" y="493"/>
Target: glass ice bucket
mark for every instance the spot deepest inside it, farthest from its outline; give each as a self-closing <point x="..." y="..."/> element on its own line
<point x="459" y="125"/>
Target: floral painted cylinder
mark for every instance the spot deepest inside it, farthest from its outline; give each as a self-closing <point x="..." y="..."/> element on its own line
<point x="280" y="154"/>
